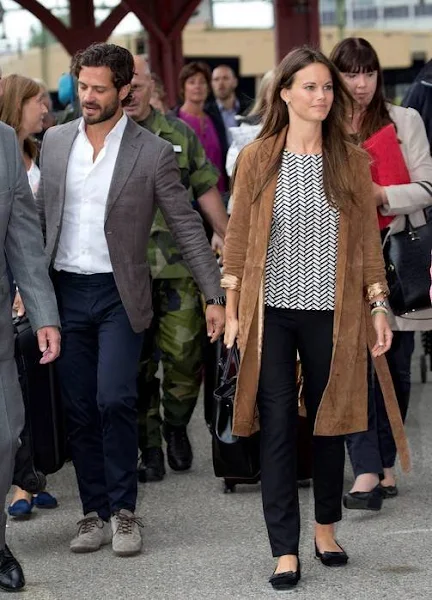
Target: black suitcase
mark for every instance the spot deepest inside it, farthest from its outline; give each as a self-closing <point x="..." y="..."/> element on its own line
<point x="43" y="437"/>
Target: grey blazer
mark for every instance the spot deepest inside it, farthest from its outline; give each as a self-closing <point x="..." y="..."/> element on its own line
<point x="146" y="176"/>
<point x="21" y="240"/>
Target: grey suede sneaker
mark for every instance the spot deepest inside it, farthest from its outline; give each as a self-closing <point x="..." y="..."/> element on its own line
<point x="126" y="539"/>
<point x="93" y="533"/>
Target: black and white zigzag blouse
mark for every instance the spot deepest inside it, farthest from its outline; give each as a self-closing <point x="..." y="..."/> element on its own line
<point x="302" y="253"/>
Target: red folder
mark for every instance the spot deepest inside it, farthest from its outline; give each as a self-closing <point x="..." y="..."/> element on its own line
<point x="388" y="164"/>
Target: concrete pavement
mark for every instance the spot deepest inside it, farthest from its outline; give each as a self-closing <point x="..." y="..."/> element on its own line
<point x="200" y="544"/>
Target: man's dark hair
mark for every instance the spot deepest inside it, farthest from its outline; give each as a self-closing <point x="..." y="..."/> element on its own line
<point x="116" y="58"/>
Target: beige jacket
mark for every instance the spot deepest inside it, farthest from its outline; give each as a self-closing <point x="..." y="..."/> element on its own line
<point x="411" y="198"/>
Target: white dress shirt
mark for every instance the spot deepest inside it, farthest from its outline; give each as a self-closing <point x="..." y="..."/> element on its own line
<point x="82" y="245"/>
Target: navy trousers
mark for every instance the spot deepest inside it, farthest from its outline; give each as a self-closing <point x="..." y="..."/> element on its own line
<point x="371" y="451"/>
<point x="98" y="370"/>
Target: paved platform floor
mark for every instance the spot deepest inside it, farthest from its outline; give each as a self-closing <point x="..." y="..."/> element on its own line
<point x="200" y="544"/>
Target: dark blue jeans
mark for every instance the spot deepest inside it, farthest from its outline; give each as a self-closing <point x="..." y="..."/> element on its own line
<point x="374" y="450"/>
<point x="98" y="370"/>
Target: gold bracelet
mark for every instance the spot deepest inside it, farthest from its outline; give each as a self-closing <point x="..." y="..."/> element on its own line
<point x="377" y="310"/>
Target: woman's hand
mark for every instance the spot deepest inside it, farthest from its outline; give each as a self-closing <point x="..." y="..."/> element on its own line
<point x="231" y="331"/>
<point x="380" y="195"/>
<point x="384" y="334"/>
<point x="18" y="305"/>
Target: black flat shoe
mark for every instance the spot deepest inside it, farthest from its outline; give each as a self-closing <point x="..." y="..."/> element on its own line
<point x="388" y="491"/>
<point x="364" y="500"/>
<point x="286" y="580"/>
<point x="332" y="559"/>
<point x="11" y="574"/>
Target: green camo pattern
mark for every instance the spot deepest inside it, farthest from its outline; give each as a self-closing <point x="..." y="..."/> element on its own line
<point x="198" y="175"/>
<point x="176" y="338"/>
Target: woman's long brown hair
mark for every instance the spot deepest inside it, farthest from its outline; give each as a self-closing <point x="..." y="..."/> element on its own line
<point x="337" y="174"/>
<point x="356" y="55"/>
<point x="15" y="91"/>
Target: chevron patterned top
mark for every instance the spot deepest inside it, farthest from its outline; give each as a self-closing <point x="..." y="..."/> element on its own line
<point x="302" y="252"/>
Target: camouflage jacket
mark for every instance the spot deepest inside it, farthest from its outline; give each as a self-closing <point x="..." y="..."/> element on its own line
<point x="198" y="175"/>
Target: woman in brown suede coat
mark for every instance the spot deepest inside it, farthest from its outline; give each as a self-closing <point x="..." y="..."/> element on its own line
<point x="303" y="269"/>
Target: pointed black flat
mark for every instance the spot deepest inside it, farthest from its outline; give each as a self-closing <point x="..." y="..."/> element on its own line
<point x="388" y="491"/>
<point x="332" y="559"/>
<point x="364" y="500"/>
<point x="286" y="580"/>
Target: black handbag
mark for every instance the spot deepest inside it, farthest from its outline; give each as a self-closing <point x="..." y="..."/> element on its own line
<point x="408" y="260"/>
<point x="234" y="457"/>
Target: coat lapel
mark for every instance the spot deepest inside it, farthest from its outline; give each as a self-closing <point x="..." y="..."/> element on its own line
<point x="263" y="209"/>
<point x="62" y="160"/>
<point x="271" y="148"/>
<point x="127" y="156"/>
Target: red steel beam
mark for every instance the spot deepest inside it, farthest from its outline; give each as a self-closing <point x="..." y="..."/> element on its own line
<point x="82" y="15"/>
<point x="83" y="30"/>
<point x="113" y="19"/>
<point x="49" y="20"/>
<point x="165" y="21"/>
<point x="296" y="24"/>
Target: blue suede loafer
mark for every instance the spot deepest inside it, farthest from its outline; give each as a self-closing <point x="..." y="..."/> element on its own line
<point x="21" y="509"/>
<point x="45" y="500"/>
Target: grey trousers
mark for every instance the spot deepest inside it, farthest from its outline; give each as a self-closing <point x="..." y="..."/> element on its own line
<point x="11" y="426"/>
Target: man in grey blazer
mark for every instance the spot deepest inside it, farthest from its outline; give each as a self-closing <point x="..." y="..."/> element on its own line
<point x="22" y="245"/>
<point x="102" y="178"/>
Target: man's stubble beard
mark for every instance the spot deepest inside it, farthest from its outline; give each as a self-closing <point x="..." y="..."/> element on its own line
<point x="225" y="95"/>
<point x="107" y="113"/>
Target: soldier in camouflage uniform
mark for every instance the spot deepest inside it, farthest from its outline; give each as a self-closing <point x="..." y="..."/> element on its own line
<point x="177" y="333"/>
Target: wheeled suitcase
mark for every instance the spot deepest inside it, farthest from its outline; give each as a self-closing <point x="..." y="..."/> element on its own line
<point x="43" y="438"/>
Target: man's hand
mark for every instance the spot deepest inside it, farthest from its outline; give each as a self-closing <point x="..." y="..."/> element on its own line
<point x="215" y="317"/>
<point x="49" y="344"/>
<point x="217" y="247"/>
<point x="18" y="305"/>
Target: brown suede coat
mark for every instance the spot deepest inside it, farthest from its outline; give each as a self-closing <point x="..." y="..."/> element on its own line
<point x="360" y="266"/>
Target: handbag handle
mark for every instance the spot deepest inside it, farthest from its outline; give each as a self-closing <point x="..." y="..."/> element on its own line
<point x="224" y="404"/>
<point x="225" y="363"/>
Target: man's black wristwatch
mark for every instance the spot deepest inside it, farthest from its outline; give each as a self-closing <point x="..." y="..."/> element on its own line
<point x="218" y="300"/>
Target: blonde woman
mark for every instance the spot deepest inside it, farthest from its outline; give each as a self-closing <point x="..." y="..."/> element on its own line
<point x="251" y="124"/>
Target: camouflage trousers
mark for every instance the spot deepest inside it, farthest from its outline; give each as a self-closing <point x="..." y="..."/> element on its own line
<point x="175" y="339"/>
